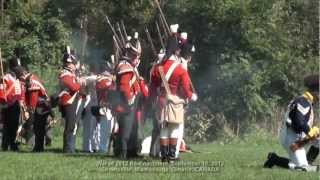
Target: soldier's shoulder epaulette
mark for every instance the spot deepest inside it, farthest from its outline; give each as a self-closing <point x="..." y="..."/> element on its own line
<point x="124" y="67"/>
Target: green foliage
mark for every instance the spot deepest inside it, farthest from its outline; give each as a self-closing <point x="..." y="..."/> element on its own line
<point x="251" y="54"/>
<point x="38" y="37"/>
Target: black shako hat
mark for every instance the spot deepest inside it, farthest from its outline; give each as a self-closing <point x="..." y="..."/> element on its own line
<point x="14" y="62"/>
<point x="187" y="50"/>
<point x="69" y="56"/>
<point x="19" y="71"/>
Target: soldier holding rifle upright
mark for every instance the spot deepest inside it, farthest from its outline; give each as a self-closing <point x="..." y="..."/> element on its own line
<point x="171" y="83"/>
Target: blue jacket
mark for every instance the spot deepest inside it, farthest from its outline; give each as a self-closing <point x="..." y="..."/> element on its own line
<point x="299" y="114"/>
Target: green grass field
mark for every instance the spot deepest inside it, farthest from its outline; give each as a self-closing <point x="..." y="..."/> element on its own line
<point x="236" y="160"/>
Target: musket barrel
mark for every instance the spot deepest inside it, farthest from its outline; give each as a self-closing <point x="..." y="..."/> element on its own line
<point x="119" y="30"/>
<point x="150" y="41"/>
<point x="162" y="15"/>
<point x="124" y="29"/>
<point x="160" y="36"/>
<point x="114" y="32"/>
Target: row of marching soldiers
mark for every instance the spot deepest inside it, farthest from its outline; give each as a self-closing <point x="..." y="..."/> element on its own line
<point x="111" y="102"/>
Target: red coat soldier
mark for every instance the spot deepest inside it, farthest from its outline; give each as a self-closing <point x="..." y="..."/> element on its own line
<point x="37" y="103"/>
<point x="104" y="84"/>
<point x="70" y="100"/>
<point x="129" y="85"/>
<point x="178" y="81"/>
<point x="11" y="98"/>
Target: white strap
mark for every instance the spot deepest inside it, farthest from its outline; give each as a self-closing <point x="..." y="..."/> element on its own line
<point x="133" y="80"/>
<point x="171" y="69"/>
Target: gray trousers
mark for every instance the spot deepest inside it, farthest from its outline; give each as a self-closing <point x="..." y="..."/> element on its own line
<point x="89" y="122"/>
<point x="105" y="133"/>
<point x="72" y="117"/>
<point x="155" y="141"/>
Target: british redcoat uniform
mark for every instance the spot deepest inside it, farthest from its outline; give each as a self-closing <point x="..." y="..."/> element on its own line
<point x="298" y="124"/>
<point x="37" y="103"/>
<point x="106" y="120"/>
<point x="70" y="101"/>
<point x="11" y="96"/>
<point x="179" y="84"/>
<point x="129" y="85"/>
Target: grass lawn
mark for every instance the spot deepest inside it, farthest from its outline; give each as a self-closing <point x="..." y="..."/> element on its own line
<point x="236" y="160"/>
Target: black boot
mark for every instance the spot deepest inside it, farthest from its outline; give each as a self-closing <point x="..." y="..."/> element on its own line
<point x="312" y="154"/>
<point x="14" y="147"/>
<point x="270" y="160"/>
<point x="281" y="161"/>
<point x="164" y="153"/>
<point x="274" y="159"/>
<point x="172" y="153"/>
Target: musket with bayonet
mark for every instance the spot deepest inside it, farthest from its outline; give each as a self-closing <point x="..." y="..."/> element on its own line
<point x="160" y="36"/>
<point x="163" y="26"/>
<point x="162" y="15"/>
<point x="118" y="50"/>
<point x="124" y="30"/>
<point x="120" y="32"/>
<point x="115" y="33"/>
<point x="151" y="42"/>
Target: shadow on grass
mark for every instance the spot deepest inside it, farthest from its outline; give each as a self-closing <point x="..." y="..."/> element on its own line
<point x="54" y="150"/>
<point x="89" y="155"/>
<point x="108" y="156"/>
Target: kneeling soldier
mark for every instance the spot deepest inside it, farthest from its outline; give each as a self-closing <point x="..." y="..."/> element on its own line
<point x="298" y="131"/>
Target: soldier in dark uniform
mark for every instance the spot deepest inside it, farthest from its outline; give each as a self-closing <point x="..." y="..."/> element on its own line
<point x="297" y="125"/>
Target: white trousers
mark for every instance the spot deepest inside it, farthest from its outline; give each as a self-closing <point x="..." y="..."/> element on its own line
<point x="299" y="157"/>
<point x="180" y="137"/>
<point x="170" y="131"/>
<point x="106" y="125"/>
